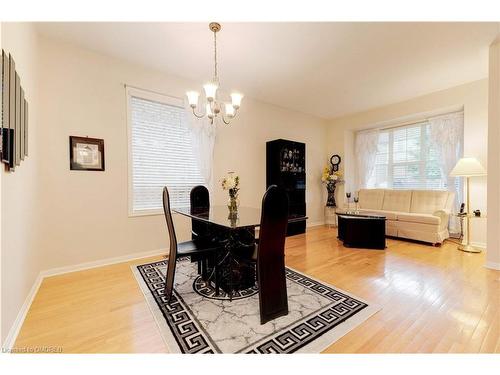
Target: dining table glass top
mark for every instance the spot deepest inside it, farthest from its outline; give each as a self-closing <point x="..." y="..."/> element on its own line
<point x="219" y="215"/>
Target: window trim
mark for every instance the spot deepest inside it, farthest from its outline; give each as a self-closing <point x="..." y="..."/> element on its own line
<point x="156" y="97"/>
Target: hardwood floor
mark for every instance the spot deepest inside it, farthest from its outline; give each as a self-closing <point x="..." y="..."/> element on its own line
<point x="433" y="299"/>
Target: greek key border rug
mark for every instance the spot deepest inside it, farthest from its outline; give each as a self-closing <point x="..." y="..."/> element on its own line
<point x="319" y="314"/>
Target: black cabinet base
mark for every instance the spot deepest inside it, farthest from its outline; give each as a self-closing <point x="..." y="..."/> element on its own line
<point x="362" y="231"/>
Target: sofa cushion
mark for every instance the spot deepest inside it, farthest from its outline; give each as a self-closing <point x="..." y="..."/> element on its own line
<point x="371" y="198"/>
<point x="397" y="200"/>
<point x="428" y="201"/>
<point x="389" y="215"/>
<point x="419" y="218"/>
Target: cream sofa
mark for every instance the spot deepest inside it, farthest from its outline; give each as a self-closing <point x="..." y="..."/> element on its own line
<point x="421" y="215"/>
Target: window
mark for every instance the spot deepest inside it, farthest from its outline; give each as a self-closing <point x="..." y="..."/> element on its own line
<point x="160" y="152"/>
<point x="407" y="159"/>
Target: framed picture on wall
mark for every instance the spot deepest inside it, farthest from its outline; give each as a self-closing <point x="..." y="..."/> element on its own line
<point x="86" y="154"/>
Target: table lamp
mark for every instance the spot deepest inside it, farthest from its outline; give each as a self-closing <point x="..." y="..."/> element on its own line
<point x="468" y="167"/>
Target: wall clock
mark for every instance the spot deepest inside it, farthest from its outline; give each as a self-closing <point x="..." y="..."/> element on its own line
<point x="335" y="162"/>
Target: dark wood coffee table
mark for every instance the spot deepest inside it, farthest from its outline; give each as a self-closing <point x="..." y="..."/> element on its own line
<point x="361" y="230"/>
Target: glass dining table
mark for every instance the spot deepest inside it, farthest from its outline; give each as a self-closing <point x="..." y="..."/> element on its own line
<point x="234" y="269"/>
<point x="246" y="217"/>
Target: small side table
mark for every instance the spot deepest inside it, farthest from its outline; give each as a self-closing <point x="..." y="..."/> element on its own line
<point x="331" y="216"/>
<point x="466" y="245"/>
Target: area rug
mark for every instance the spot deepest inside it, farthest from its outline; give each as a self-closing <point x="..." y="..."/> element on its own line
<point x="319" y="314"/>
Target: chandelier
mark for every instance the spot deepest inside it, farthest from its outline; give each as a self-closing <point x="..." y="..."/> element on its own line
<point x="214" y="107"/>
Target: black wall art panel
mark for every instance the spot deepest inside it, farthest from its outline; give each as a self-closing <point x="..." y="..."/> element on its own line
<point x="14" y="124"/>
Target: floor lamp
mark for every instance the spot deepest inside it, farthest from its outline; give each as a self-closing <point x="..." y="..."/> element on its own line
<point x="468" y="167"/>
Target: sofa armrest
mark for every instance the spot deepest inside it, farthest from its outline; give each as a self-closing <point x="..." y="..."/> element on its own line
<point x="445" y="217"/>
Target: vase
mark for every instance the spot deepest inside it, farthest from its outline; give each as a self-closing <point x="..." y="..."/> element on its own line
<point x="232" y="204"/>
<point x="330" y="188"/>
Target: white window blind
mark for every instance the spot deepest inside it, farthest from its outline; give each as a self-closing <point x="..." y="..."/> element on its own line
<point x="161" y="153"/>
<point x="407" y="159"/>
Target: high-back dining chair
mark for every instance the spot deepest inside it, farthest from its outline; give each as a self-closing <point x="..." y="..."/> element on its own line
<point x="178" y="249"/>
<point x="199" y="199"/>
<point x="273" y="299"/>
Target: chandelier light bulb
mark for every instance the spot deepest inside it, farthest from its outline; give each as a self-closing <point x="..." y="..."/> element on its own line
<point x="236" y="99"/>
<point x="193" y="98"/>
<point x="229" y="110"/>
<point x="210" y="90"/>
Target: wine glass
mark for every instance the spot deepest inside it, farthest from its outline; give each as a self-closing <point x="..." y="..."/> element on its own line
<point x="348" y="195"/>
<point x="356" y="200"/>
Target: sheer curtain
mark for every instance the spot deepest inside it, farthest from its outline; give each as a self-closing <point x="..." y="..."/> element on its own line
<point x="446" y="133"/>
<point x="366" y="154"/>
<point x="203" y="135"/>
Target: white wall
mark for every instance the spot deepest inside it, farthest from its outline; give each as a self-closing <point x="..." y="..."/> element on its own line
<point x="21" y="258"/>
<point x="84" y="214"/>
<point x="493" y="255"/>
<point x="474" y="99"/>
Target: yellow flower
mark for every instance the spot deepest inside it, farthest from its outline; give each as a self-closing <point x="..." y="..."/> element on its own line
<point x="326" y="174"/>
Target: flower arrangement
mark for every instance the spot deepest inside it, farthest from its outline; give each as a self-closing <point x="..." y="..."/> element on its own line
<point x="331" y="178"/>
<point x="231" y="183"/>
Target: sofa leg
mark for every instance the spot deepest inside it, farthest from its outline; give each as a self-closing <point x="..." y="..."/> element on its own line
<point x="437" y="244"/>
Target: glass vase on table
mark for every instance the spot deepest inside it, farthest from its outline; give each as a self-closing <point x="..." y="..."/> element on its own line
<point x="231" y="183"/>
<point x="348" y="196"/>
<point x="356" y="207"/>
<point x="233" y="203"/>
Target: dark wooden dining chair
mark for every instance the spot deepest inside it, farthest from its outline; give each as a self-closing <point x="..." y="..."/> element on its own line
<point x="178" y="249"/>
<point x="273" y="299"/>
<point x="199" y="199"/>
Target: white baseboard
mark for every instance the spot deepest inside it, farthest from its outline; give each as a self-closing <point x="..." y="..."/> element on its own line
<point x="480" y="245"/>
<point x="102" y="262"/>
<point x="16" y="326"/>
<point x="314" y="223"/>
<point x="18" y="323"/>
<point x="492" y="265"/>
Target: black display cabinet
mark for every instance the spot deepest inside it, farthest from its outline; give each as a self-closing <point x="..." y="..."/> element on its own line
<point x="286" y="167"/>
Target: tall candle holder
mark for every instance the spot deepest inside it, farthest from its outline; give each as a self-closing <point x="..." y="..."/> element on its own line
<point x="348" y="195"/>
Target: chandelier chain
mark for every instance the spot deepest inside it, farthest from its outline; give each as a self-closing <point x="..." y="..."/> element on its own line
<point x="216" y="78"/>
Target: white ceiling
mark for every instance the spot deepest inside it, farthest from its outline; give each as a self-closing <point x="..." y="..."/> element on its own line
<point x="324" y="69"/>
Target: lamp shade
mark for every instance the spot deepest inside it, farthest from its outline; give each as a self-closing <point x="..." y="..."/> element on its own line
<point x="193" y="98"/>
<point x="229" y="110"/>
<point x="236" y="99"/>
<point x="468" y="167"/>
<point x="211" y="90"/>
